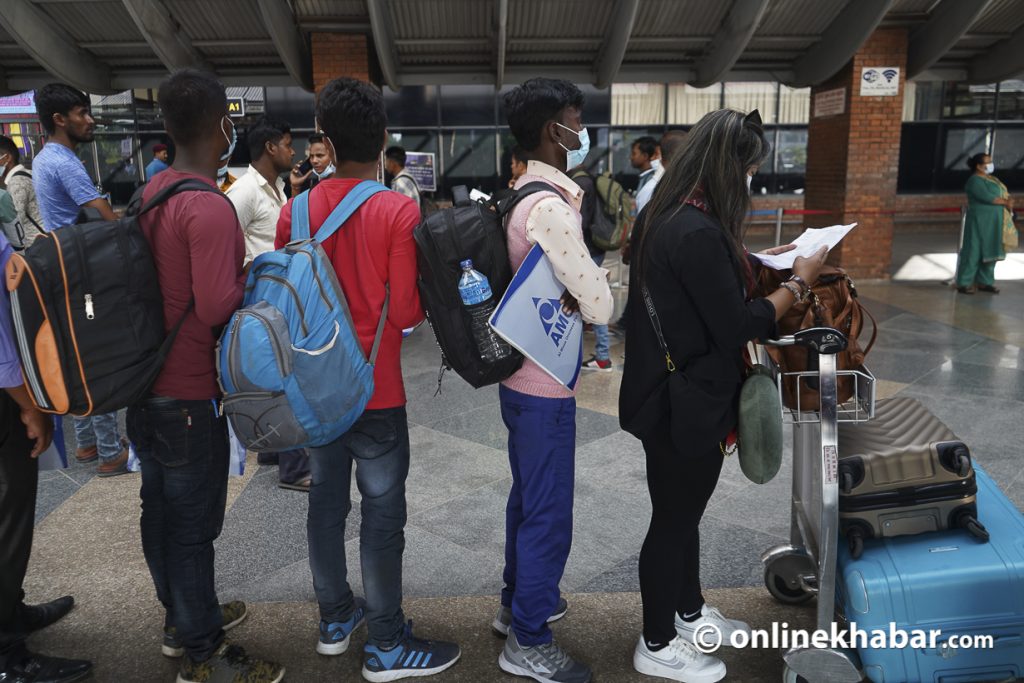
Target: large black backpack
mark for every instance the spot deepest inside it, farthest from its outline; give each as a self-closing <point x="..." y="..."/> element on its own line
<point x="468" y="230"/>
<point x="88" y="312"/>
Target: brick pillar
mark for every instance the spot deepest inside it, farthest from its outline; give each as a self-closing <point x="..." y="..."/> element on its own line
<point x="853" y="158"/>
<point x="339" y="54"/>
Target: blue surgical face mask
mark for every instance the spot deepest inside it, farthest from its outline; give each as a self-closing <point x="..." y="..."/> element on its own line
<point x="222" y="172"/>
<point x="575" y="157"/>
<point x="655" y="164"/>
<point x="327" y="172"/>
<point x="232" y="141"/>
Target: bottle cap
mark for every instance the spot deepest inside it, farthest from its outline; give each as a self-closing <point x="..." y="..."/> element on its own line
<point x="468" y="263"/>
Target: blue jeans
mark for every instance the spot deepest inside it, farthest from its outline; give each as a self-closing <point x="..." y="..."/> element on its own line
<point x="99" y="431"/>
<point x="378" y="445"/>
<point x="183" y="451"/>
<point x="538" y="517"/>
<point x="601" y="331"/>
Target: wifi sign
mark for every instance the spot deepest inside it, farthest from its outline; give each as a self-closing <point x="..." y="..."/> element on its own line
<point x="880" y="81"/>
<point x="890" y="74"/>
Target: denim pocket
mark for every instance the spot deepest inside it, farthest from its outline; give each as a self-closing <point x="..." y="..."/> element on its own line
<point x="169" y="435"/>
<point x="371" y="437"/>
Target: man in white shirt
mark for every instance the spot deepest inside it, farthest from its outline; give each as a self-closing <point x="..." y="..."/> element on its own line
<point x="403" y="183"/>
<point x="670" y="142"/>
<point x="258" y="197"/>
<point x="259" y="194"/>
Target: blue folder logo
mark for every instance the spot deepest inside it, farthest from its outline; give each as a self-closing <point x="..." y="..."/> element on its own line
<point x="555" y="323"/>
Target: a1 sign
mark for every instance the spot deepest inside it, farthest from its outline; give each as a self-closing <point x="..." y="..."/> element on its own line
<point x="236" y="107"/>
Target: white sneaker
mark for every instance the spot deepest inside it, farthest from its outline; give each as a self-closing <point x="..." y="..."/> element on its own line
<point x="679" y="661"/>
<point x="710" y="615"/>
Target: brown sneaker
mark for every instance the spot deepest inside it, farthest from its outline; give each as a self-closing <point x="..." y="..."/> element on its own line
<point x="230" y="663"/>
<point x="114" y="466"/>
<point x="86" y="455"/>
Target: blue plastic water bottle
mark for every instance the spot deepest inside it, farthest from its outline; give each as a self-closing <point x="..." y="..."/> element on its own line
<point x="475" y="291"/>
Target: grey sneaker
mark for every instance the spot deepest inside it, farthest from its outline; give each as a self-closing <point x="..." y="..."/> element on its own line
<point x="503" y="620"/>
<point x="546" y="663"/>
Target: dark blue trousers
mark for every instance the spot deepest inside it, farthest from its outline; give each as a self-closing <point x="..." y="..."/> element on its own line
<point x="538" y="517"/>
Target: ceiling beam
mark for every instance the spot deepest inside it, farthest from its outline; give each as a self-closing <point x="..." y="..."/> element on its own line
<point x="52" y="49"/>
<point x="730" y="41"/>
<point x="616" y="40"/>
<point x="291" y="45"/>
<point x="1003" y="60"/>
<point x="502" y="43"/>
<point x="840" y="41"/>
<point x="946" y="25"/>
<point x="383" y="41"/>
<point x="164" y="35"/>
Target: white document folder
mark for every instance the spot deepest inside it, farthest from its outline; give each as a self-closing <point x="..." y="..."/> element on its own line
<point x="530" y="318"/>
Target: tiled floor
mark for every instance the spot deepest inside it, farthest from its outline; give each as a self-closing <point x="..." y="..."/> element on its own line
<point x="960" y="355"/>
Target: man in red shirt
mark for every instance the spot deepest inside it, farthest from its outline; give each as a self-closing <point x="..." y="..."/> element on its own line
<point x="179" y="434"/>
<point x="372" y="253"/>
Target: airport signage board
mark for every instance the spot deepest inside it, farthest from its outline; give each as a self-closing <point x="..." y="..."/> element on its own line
<point x="23" y="103"/>
<point x="830" y="103"/>
<point x="879" y="81"/>
<point x="420" y="165"/>
<point x="236" y="107"/>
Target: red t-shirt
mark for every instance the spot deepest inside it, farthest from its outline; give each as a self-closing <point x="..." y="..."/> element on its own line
<point x="198" y="249"/>
<point x="373" y="248"/>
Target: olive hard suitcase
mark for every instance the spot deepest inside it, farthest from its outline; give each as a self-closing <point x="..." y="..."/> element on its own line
<point x="944" y="581"/>
<point x="902" y="473"/>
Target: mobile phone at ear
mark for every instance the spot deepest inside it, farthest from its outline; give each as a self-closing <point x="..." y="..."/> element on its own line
<point x="305" y="167"/>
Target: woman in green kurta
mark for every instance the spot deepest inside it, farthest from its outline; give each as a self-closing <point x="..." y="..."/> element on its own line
<point x="989" y="210"/>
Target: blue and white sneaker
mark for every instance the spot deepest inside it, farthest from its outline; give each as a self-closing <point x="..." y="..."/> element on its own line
<point x="412" y="657"/>
<point x="335" y="636"/>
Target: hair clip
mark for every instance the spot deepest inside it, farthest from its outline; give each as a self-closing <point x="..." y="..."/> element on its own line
<point x="754" y="119"/>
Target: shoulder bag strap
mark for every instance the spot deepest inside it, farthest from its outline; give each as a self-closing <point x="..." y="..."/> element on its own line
<point x="652" y="313"/>
<point x="356" y="197"/>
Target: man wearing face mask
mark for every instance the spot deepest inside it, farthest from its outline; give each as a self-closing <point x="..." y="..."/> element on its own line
<point x="179" y="432"/>
<point x="224" y="178"/>
<point x="540" y="413"/>
<point x="321" y="166"/>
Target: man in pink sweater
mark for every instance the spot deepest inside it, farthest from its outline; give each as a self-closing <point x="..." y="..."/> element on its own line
<point x="540" y="413"/>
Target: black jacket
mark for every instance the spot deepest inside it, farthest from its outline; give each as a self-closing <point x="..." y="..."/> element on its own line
<point x="692" y="277"/>
<point x="591" y="203"/>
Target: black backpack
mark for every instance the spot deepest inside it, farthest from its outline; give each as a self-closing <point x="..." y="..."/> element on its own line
<point x="88" y="311"/>
<point x="468" y="230"/>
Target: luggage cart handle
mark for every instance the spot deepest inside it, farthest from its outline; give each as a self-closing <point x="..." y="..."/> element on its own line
<point x="823" y="340"/>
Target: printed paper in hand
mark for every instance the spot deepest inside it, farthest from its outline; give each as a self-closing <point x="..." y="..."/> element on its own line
<point x="530" y="318"/>
<point x="806" y="244"/>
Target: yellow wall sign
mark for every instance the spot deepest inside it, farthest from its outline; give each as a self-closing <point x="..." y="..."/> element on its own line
<point x="236" y="107"/>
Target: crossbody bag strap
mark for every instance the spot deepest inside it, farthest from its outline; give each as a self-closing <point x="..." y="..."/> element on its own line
<point x="652" y="313"/>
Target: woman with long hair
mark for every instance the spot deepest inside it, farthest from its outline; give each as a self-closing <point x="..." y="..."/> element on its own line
<point x="690" y="286"/>
<point x="989" y="231"/>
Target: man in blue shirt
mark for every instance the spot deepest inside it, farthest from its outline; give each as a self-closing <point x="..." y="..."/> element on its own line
<point x="63" y="188"/>
<point x="159" y="162"/>
<point x="27" y="433"/>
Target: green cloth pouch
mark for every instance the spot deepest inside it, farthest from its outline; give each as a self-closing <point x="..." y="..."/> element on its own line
<point x="760" y="426"/>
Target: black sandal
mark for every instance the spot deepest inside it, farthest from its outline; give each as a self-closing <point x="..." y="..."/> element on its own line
<point x="991" y="289"/>
<point x="965" y="290"/>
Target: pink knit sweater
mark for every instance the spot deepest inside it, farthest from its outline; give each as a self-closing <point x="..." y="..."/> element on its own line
<point x="531" y="379"/>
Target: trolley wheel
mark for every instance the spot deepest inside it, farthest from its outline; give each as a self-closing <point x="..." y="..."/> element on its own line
<point x="782" y="591"/>
<point x="790" y="676"/>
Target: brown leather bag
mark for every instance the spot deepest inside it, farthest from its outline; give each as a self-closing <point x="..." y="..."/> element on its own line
<point x="832" y="302"/>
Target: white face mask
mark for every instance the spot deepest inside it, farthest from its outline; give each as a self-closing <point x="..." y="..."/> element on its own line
<point x="990" y="168"/>
<point x="655" y="164"/>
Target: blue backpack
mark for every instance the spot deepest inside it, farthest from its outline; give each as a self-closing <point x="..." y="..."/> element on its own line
<point x="289" y="362"/>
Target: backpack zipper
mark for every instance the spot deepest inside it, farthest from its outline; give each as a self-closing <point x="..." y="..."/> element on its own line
<point x="279" y="357"/>
<point x="77" y="236"/>
<point x="295" y="295"/>
<point x="316" y="277"/>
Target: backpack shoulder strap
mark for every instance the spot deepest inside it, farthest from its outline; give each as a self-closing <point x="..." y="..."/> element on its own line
<point x="505" y="206"/>
<point x="183" y="185"/>
<point x="356" y="197"/>
<point x="22" y="174"/>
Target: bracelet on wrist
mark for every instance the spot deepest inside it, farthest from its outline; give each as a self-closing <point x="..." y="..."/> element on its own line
<point x="800" y="282"/>
<point x="794" y="290"/>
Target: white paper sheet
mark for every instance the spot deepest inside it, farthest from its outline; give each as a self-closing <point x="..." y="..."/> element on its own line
<point x="806" y="244"/>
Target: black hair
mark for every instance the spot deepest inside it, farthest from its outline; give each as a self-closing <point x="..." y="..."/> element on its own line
<point x="7" y="146"/>
<point x="396" y="154"/>
<point x="351" y="113"/>
<point x="533" y="104"/>
<point x="975" y="161"/>
<point x="647" y="144"/>
<point x="520" y="154"/>
<point x="712" y="164"/>
<point x="263" y="131"/>
<point x="191" y="101"/>
<point x="316" y="139"/>
<point x="670" y="143"/>
<point x="57" y="98"/>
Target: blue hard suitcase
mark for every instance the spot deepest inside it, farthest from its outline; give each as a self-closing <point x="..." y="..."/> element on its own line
<point x="947" y="581"/>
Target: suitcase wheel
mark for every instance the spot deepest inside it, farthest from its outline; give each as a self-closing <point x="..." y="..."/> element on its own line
<point x="847" y="483"/>
<point x="783" y="591"/>
<point x="967" y="520"/>
<point x="956" y="458"/>
<point x="856" y="542"/>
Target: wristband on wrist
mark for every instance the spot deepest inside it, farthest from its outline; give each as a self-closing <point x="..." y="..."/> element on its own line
<point x="794" y="290"/>
<point x="804" y="287"/>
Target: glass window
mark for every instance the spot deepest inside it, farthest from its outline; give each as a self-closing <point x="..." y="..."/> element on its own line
<point x="119" y="168"/>
<point x="959" y="144"/>
<point x="417" y="141"/>
<point x="686" y="104"/>
<point x="794" y="104"/>
<point x="790" y="161"/>
<point x="922" y="100"/>
<point x="962" y="101"/>
<point x="620" y="143"/>
<point x="467" y="105"/>
<point x="638" y="104"/>
<point x="469" y="157"/>
<point x="1008" y="154"/>
<point x="1011" y="100"/>
<point x="411" y="106"/>
<point x="746" y="97"/>
<point x="918" y="143"/>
